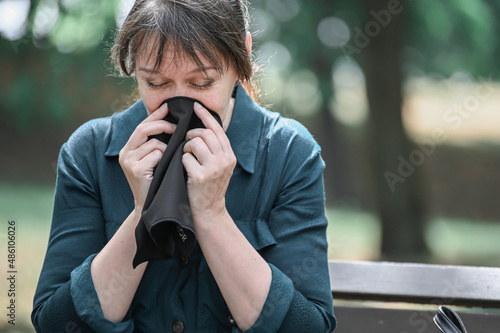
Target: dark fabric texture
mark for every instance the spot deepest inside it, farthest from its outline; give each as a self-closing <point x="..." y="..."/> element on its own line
<point x="166" y="219"/>
<point x="62" y="303"/>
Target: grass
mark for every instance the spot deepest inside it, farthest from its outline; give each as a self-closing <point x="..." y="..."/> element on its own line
<point x="464" y="241"/>
<point x="355" y="235"/>
<point x="352" y="235"/>
<point x="30" y="207"/>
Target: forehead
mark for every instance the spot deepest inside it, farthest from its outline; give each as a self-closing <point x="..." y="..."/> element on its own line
<point x="170" y="59"/>
<point x="173" y="56"/>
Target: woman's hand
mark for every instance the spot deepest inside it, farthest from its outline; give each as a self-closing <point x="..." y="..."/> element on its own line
<point x="209" y="161"/>
<point x="139" y="157"/>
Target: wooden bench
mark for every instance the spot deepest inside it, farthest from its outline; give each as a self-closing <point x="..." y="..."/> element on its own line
<point x="372" y="297"/>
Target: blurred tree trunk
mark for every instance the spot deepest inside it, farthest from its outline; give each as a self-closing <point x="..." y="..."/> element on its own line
<point x="313" y="54"/>
<point x="330" y="136"/>
<point x="398" y="195"/>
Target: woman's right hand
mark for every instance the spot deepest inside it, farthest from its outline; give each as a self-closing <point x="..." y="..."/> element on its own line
<point x="139" y="157"/>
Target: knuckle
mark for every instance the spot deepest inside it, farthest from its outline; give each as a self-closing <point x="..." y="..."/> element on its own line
<point x="209" y="133"/>
<point x="157" y="154"/>
<point x="232" y="161"/>
<point x="199" y="178"/>
<point x="197" y="141"/>
<point x="141" y="129"/>
<point x="153" y="144"/>
<point x="136" y="169"/>
<point x="214" y="173"/>
<point x="157" y="144"/>
<point x="229" y="161"/>
<point x="122" y="160"/>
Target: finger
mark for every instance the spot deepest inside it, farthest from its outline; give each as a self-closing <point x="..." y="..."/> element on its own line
<point x="208" y="136"/>
<point x="191" y="164"/>
<point x="151" y="160"/>
<point x="128" y="157"/>
<point x="148" y="147"/>
<point x="198" y="148"/>
<point x="158" y="114"/>
<point x="210" y="123"/>
<point x="144" y="130"/>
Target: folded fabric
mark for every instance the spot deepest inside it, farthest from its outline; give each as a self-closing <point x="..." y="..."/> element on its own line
<point x="166" y="218"/>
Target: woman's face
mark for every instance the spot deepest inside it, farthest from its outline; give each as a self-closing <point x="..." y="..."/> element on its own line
<point x="183" y="77"/>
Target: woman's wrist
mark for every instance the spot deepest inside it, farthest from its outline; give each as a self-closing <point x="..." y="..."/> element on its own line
<point x="134" y="217"/>
<point x="137" y="209"/>
<point x="212" y="220"/>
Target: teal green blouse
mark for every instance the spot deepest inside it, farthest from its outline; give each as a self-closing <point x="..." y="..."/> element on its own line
<point x="275" y="197"/>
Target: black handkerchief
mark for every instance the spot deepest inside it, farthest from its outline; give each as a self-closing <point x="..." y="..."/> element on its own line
<point x="166" y="218"/>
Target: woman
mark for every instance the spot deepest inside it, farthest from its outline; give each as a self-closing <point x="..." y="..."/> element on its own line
<point x="254" y="184"/>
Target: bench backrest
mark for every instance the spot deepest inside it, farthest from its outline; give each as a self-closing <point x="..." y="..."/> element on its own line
<point x="412" y="283"/>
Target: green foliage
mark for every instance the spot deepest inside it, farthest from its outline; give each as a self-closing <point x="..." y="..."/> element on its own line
<point x="59" y="61"/>
<point x="83" y="26"/>
<point x="454" y="35"/>
<point x="20" y="101"/>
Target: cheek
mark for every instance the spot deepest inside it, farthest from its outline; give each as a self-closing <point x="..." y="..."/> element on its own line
<point x="213" y="104"/>
<point x="217" y="104"/>
<point x="152" y="100"/>
<point x="219" y="99"/>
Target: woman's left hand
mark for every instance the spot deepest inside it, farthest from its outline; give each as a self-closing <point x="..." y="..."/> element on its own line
<point x="209" y="161"/>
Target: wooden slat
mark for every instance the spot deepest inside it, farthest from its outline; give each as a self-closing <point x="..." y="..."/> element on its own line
<point x="375" y="320"/>
<point x="421" y="283"/>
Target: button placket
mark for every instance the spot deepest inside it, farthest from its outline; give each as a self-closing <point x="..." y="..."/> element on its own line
<point x="178" y="326"/>
<point x="231" y="320"/>
<point x="183" y="261"/>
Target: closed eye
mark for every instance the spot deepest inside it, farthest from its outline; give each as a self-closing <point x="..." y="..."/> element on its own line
<point x="152" y="85"/>
<point x="204" y="86"/>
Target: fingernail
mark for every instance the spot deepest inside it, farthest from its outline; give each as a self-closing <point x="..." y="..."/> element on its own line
<point x="197" y="106"/>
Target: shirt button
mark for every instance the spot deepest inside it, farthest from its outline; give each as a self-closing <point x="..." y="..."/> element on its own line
<point x="178" y="326"/>
<point x="231" y="321"/>
<point x="183" y="260"/>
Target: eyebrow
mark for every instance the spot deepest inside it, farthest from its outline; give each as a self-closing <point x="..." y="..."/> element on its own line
<point x="196" y="70"/>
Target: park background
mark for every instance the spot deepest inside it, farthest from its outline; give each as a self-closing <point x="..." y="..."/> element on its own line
<point x="403" y="96"/>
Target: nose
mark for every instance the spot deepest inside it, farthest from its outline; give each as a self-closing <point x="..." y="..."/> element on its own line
<point x="173" y="92"/>
<point x="180" y="90"/>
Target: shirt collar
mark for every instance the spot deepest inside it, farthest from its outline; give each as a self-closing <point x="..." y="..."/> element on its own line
<point x="243" y="131"/>
<point x="123" y="125"/>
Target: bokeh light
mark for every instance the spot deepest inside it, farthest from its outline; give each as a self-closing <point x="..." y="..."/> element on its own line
<point x="13" y="16"/>
<point x="333" y="32"/>
<point x="350" y="105"/>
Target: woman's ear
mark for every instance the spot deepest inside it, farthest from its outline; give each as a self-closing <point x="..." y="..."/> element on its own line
<point x="248" y="43"/>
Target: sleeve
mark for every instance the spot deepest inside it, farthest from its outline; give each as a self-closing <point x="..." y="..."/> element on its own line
<point x="300" y="298"/>
<point x="65" y="299"/>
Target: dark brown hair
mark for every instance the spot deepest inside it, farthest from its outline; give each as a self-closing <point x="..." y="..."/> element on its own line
<point x="214" y="29"/>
